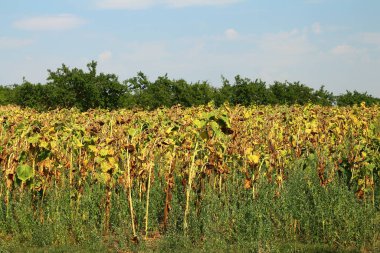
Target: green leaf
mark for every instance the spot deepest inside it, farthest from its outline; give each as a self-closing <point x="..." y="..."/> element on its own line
<point x="103" y="152"/>
<point x="24" y="172"/>
<point x="223" y="121"/>
<point x="105" y="166"/>
<point x="199" y="123"/>
<point x="103" y="177"/>
<point x="34" y="139"/>
<point x="44" y="144"/>
<point x="23" y="156"/>
<point x="214" y="126"/>
<point x="93" y="148"/>
<point x="77" y="142"/>
<point x="132" y="132"/>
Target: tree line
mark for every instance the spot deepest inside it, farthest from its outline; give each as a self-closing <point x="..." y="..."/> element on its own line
<point x="67" y="88"/>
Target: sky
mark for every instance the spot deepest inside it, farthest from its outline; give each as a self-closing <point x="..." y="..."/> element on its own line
<point x="335" y="43"/>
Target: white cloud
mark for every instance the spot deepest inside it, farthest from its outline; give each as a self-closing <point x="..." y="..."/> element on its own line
<point x="272" y="56"/>
<point x="144" y="4"/>
<point x="277" y="56"/>
<point x="316" y="28"/>
<point x="49" y="23"/>
<point x="7" y="42"/>
<point x="125" y="4"/>
<point x="290" y="43"/>
<point x="370" y="38"/>
<point x="344" y="49"/>
<point x="349" y="55"/>
<point x="186" y="3"/>
<point x="231" y="34"/>
<point x="104" y="56"/>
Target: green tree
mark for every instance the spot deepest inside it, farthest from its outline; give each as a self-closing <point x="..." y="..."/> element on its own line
<point x="7" y="95"/>
<point x="246" y="92"/>
<point x="201" y="93"/>
<point x="355" y="97"/>
<point x="137" y="95"/>
<point x="166" y="92"/>
<point x="225" y="93"/>
<point x="30" y="95"/>
<point x="161" y="92"/>
<point x="291" y="93"/>
<point x="182" y="93"/>
<point x="66" y="88"/>
<point x="323" y="97"/>
<point x="84" y="90"/>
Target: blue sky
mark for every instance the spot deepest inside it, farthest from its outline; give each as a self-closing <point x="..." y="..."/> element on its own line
<point x="335" y="43"/>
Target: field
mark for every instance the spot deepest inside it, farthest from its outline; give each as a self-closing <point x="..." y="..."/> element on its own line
<point x="239" y="179"/>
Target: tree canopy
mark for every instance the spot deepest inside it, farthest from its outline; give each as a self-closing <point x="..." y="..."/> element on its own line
<point x="72" y="87"/>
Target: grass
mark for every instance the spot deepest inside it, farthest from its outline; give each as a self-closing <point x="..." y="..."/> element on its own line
<point x="305" y="217"/>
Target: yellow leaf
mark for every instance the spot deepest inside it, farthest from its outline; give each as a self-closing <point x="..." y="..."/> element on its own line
<point x="168" y="130"/>
<point x="78" y="143"/>
<point x="112" y="161"/>
<point x="254" y="158"/>
<point x="98" y="159"/>
<point x="105" y="166"/>
<point x="248" y="151"/>
<point x="93" y="148"/>
<point x="103" y="152"/>
<point x="44" y="144"/>
<point x="111" y="151"/>
<point x="53" y="144"/>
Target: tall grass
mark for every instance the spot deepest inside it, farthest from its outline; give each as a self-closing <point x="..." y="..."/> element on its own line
<point x="302" y="216"/>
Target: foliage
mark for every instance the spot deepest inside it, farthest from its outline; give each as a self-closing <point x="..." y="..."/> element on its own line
<point x="355" y="97"/>
<point x="292" y="93"/>
<point x="67" y="88"/>
<point x="75" y="88"/>
<point x="247" y="92"/>
<point x="30" y="95"/>
<point x="6" y="95"/>
<point x="252" y="177"/>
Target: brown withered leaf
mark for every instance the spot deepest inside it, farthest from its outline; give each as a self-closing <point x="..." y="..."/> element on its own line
<point x="247" y="183"/>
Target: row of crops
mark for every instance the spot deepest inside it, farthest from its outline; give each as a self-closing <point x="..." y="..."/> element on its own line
<point x="147" y="157"/>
